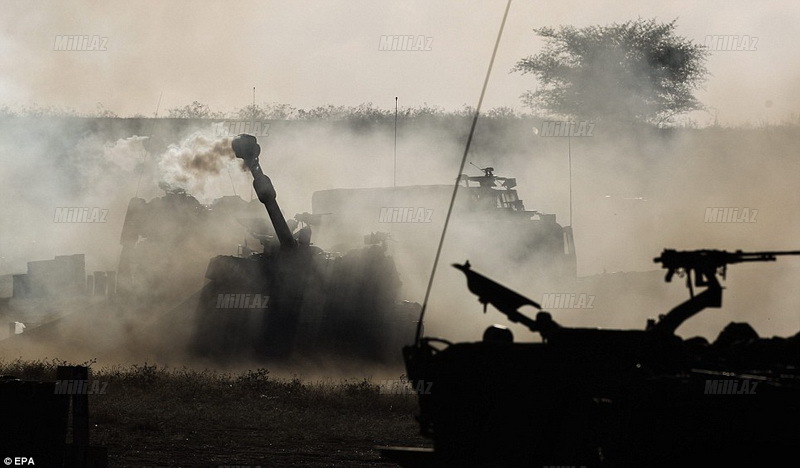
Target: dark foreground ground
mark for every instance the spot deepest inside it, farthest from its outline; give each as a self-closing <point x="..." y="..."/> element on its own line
<point x="153" y="416"/>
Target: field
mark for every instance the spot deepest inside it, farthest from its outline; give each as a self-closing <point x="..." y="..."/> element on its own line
<point x="155" y="416"/>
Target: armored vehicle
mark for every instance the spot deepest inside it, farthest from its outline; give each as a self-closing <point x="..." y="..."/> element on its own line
<point x="605" y="397"/>
<point x="490" y="223"/>
<point x="294" y="300"/>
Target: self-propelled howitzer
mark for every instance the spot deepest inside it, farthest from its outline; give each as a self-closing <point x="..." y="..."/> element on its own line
<point x="295" y="300"/>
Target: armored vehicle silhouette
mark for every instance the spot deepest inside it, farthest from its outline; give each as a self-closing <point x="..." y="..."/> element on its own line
<point x="294" y="300"/>
<point x="490" y="222"/>
<point x="604" y="397"/>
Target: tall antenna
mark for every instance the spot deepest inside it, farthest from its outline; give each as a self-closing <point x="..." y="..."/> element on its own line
<point x="569" y="156"/>
<point x="394" y="174"/>
<point x="458" y="177"/>
<point x="144" y="153"/>
<point x="233" y="186"/>
<point x="253" y="125"/>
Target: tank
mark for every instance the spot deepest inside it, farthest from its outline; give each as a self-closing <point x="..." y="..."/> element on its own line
<point x="293" y="300"/>
<point x="608" y="397"/>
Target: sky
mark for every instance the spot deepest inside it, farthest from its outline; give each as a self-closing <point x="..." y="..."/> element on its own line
<point x="328" y="52"/>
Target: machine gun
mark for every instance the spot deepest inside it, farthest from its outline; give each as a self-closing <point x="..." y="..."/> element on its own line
<point x="705" y="265"/>
<point x="488" y="179"/>
<point x="487" y="171"/>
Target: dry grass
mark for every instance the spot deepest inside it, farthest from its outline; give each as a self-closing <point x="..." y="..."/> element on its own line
<point x="155" y="416"/>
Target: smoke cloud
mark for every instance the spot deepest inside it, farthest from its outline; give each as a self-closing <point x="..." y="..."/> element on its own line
<point x="189" y="164"/>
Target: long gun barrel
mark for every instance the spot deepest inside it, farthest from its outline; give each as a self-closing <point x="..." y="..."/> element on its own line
<point x="706" y="263"/>
<point x="247" y="148"/>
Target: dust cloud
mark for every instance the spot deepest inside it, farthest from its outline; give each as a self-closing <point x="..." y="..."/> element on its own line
<point x="627" y="191"/>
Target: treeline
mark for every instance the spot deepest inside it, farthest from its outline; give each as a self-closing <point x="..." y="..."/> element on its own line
<point x="278" y="111"/>
<point x="365" y="113"/>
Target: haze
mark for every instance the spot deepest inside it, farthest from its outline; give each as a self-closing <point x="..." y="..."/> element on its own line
<point x="314" y="53"/>
<point x="635" y="191"/>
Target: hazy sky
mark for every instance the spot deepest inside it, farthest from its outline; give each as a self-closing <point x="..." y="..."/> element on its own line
<point x="327" y="52"/>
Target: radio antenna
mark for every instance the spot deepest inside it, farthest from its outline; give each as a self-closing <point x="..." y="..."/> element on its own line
<point x="458" y="177"/>
<point x="394" y="174"/>
<point x="144" y="153"/>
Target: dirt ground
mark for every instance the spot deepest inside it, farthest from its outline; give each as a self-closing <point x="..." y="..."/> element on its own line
<point x="151" y="416"/>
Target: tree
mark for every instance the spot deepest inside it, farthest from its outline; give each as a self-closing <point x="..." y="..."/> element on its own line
<point x="637" y="71"/>
<point x="195" y="110"/>
<point x="273" y="111"/>
<point x="103" y="113"/>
